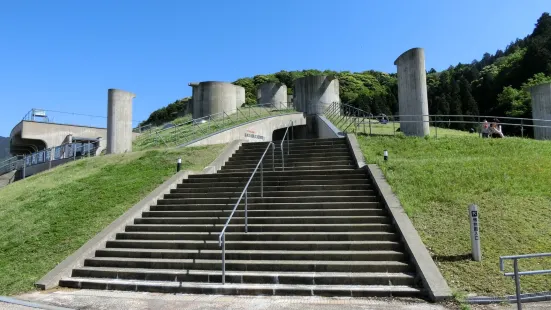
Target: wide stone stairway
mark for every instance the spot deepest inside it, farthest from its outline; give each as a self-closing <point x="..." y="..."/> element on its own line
<point x="320" y="229"/>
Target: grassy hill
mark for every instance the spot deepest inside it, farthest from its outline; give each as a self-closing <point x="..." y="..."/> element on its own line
<point x="48" y="216"/>
<point x="436" y="180"/>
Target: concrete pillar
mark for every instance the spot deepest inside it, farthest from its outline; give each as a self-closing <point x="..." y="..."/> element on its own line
<point x="119" y="121"/>
<point x="412" y="93"/>
<point x="541" y="109"/>
<point x="215" y="97"/>
<point x="272" y="94"/>
<point x="240" y="93"/>
<point x="312" y="94"/>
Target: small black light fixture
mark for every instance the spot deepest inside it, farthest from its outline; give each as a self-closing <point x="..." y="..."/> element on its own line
<point x="178" y="165"/>
<point x="385" y="155"/>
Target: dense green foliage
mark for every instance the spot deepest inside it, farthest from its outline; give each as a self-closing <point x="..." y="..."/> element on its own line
<point x="48" y="216"/>
<point x="168" y="113"/>
<point x="494" y="85"/>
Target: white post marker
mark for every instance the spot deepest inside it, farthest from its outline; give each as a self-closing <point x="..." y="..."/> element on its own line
<point x="179" y="165"/>
<point x="475" y="233"/>
<point x="385" y="154"/>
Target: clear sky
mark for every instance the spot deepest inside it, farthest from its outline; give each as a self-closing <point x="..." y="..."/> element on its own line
<point x="64" y="55"/>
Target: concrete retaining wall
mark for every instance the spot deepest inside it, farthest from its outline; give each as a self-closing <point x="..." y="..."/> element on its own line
<point x="434" y="283"/>
<point x="256" y="131"/>
<point x="326" y="129"/>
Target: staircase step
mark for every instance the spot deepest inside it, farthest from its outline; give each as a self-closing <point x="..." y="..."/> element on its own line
<point x="270" y="206"/>
<point x="266" y="213"/>
<point x="277" y="159"/>
<point x="312" y="167"/>
<point x="232" y="201"/>
<point x="262" y="236"/>
<point x="328" y="228"/>
<point x="251" y="265"/>
<point x="268" y="163"/>
<point x="290" y="174"/>
<point x="291" y="156"/>
<point x="340" y="245"/>
<point x="376" y="255"/>
<point x="279" y="182"/>
<point x="215" y="276"/>
<point x="232" y="187"/>
<point x="240" y="289"/>
<point x="268" y="220"/>
<point x="288" y="193"/>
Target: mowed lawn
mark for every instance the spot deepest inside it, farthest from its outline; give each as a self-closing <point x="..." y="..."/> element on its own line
<point x="510" y="180"/>
<point x="48" y="216"/>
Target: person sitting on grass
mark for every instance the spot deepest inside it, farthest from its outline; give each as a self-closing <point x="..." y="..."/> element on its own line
<point x="485" y="129"/>
<point x="495" y="129"/>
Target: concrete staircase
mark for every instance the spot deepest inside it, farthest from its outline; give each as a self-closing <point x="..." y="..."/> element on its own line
<point x="319" y="230"/>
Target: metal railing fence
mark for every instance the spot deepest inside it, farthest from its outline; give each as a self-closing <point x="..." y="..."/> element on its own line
<point x="222" y="236"/>
<point x="351" y="119"/>
<point x="75" y="150"/>
<point x="189" y="130"/>
<point x="517" y="273"/>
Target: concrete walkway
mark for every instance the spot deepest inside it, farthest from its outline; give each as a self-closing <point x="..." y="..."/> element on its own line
<point x="90" y="299"/>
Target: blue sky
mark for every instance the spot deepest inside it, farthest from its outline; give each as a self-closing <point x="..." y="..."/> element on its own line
<point x="64" y="55"/>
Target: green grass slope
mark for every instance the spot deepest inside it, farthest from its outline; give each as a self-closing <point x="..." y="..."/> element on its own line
<point x="510" y="180"/>
<point x="48" y="216"/>
<point x="187" y="131"/>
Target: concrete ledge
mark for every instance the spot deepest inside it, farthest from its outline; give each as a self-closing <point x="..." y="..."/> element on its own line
<point x="433" y="281"/>
<point x="356" y="150"/>
<point x="27" y="304"/>
<point x="63" y="269"/>
<point x="224" y="156"/>
<point x="326" y="129"/>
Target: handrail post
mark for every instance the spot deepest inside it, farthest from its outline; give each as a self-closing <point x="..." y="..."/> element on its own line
<point x="517" y="283"/>
<point x="288" y="144"/>
<point x="282" y="158"/>
<point x="262" y="179"/>
<point x="246" y="207"/>
<point x="224" y="259"/>
<point x="273" y="156"/>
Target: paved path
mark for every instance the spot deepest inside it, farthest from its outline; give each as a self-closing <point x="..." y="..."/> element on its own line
<point x="90" y="299"/>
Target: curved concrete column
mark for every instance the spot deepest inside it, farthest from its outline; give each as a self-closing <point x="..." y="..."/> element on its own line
<point x="412" y="93"/>
<point x="541" y="109"/>
<point x="215" y="97"/>
<point x="119" y="121"/>
<point x="272" y="94"/>
<point x="240" y="93"/>
<point x="312" y="94"/>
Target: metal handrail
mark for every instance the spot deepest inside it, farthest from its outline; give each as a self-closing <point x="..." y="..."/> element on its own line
<point x="288" y="146"/>
<point x="344" y="116"/>
<point x="516" y="273"/>
<point x="222" y="236"/>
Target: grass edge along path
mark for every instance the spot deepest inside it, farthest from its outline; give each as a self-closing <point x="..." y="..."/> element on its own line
<point x="48" y="216"/>
<point x="510" y="180"/>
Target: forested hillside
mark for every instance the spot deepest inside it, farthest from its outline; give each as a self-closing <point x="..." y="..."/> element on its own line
<point x="494" y="85"/>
